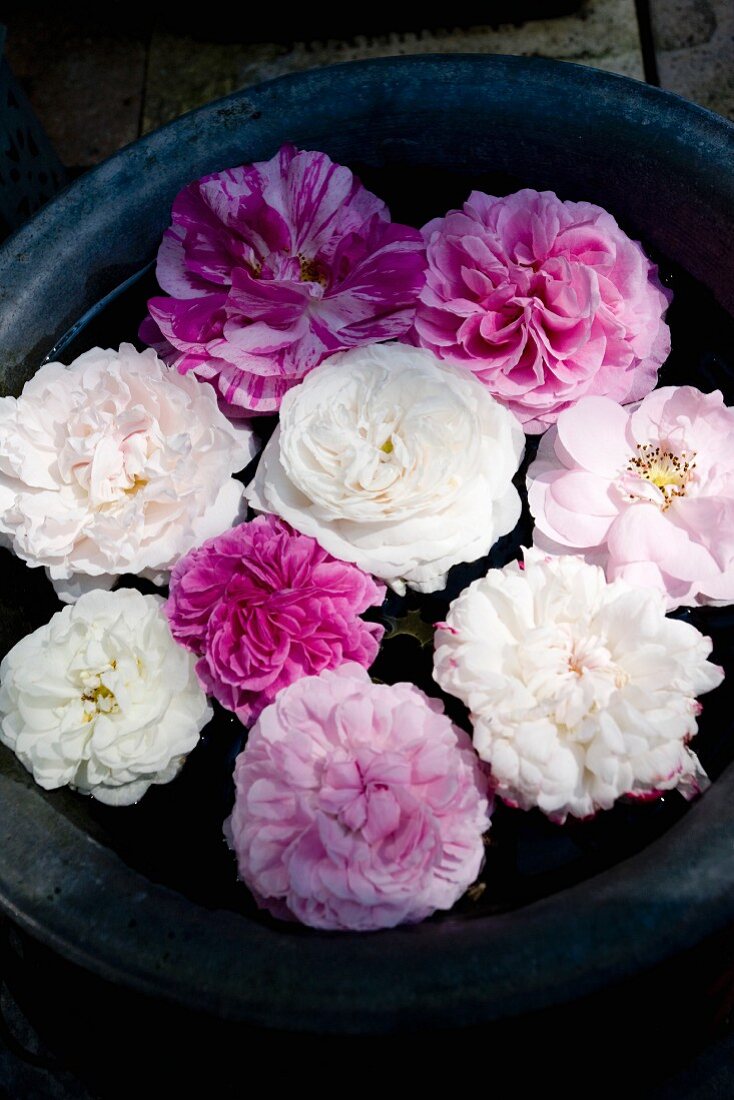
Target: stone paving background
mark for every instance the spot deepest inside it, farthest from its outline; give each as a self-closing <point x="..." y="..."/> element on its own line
<point x="99" y="83"/>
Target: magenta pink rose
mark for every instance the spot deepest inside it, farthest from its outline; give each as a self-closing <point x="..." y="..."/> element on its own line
<point x="358" y="805"/>
<point x="272" y="267"/>
<point x="646" y="493"/>
<point x="544" y="301"/>
<point x="262" y="606"/>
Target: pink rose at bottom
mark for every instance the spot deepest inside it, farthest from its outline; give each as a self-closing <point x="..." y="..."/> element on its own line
<point x="358" y="805"/>
<point x="647" y="492"/>
<point x="262" y="605"/>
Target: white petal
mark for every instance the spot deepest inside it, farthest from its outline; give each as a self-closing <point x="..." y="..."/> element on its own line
<point x="394" y="461"/>
<point x="115" y="464"/>
<point x="581" y="690"/>
<point x="102" y="698"/>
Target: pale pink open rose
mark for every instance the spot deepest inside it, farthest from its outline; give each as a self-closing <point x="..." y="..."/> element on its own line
<point x="357" y="805"/>
<point x="647" y="493"/>
<point x="544" y="301"/>
<point x="115" y="464"/>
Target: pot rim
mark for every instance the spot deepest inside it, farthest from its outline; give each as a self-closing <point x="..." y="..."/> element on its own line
<point x="661" y="901"/>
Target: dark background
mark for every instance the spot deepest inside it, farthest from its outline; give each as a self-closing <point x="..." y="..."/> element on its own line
<point x="100" y="75"/>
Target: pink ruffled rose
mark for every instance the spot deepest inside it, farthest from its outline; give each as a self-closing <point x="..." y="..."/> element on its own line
<point x="358" y="805"/>
<point x="262" y="606"/>
<point x="646" y="493"/>
<point x="273" y="266"/>
<point x="544" y="301"/>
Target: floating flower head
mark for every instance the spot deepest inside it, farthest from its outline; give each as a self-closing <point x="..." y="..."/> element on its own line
<point x="544" y="301"/>
<point x="272" y="267"/>
<point x="358" y="805"/>
<point x="580" y="691"/>
<point x="395" y="461"/>
<point x="102" y="699"/>
<point x="115" y="464"/>
<point x="647" y="493"/>
<point x="262" y="606"/>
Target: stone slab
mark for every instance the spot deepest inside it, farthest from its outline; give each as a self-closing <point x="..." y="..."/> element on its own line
<point x="695" y="50"/>
<point x="84" y="79"/>
<point x="184" y="73"/>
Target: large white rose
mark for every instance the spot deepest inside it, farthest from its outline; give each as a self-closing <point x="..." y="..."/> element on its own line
<point x="580" y="690"/>
<point x="395" y="461"/>
<point x="115" y="464"/>
<point x="102" y="698"/>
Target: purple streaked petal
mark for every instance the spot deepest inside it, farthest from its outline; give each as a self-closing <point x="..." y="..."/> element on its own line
<point x="273" y="266"/>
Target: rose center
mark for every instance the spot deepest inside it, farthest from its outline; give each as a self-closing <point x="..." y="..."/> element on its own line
<point x="138" y="484"/>
<point x="590" y="655"/>
<point x="573" y="674"/>
<point x="286" y="266"/>
<point x="387" y="447"/>
<point x="97" y="698"/>
<point x="311" y="271"/>
<point x="669" y="472"/>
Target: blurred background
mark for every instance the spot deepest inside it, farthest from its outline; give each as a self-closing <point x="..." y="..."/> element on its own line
<point x="99" y="76"/>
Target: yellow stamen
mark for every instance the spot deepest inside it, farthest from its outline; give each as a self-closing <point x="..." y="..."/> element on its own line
<point x="138" y="483"/>
<point x="102" y="699"/>
<point x="664" y="469"/>
<point x="311" y="272"/>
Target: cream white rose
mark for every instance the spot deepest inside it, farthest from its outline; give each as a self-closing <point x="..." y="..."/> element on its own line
<point x="102" y="699"/>
<point x="395" y="461"/>
<point x="115" y="464"/>
<point x="580" y="691"/>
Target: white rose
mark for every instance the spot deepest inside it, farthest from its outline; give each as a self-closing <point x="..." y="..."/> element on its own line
<point x="102" y="698"/>
<point x="580" y="691"/>
<point x="395" y="461"/>
<point x="115" y="464"/>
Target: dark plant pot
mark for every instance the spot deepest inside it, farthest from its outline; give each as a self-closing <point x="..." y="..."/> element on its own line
<point x="663" y="167"/>
<point x="30" y="171"/>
